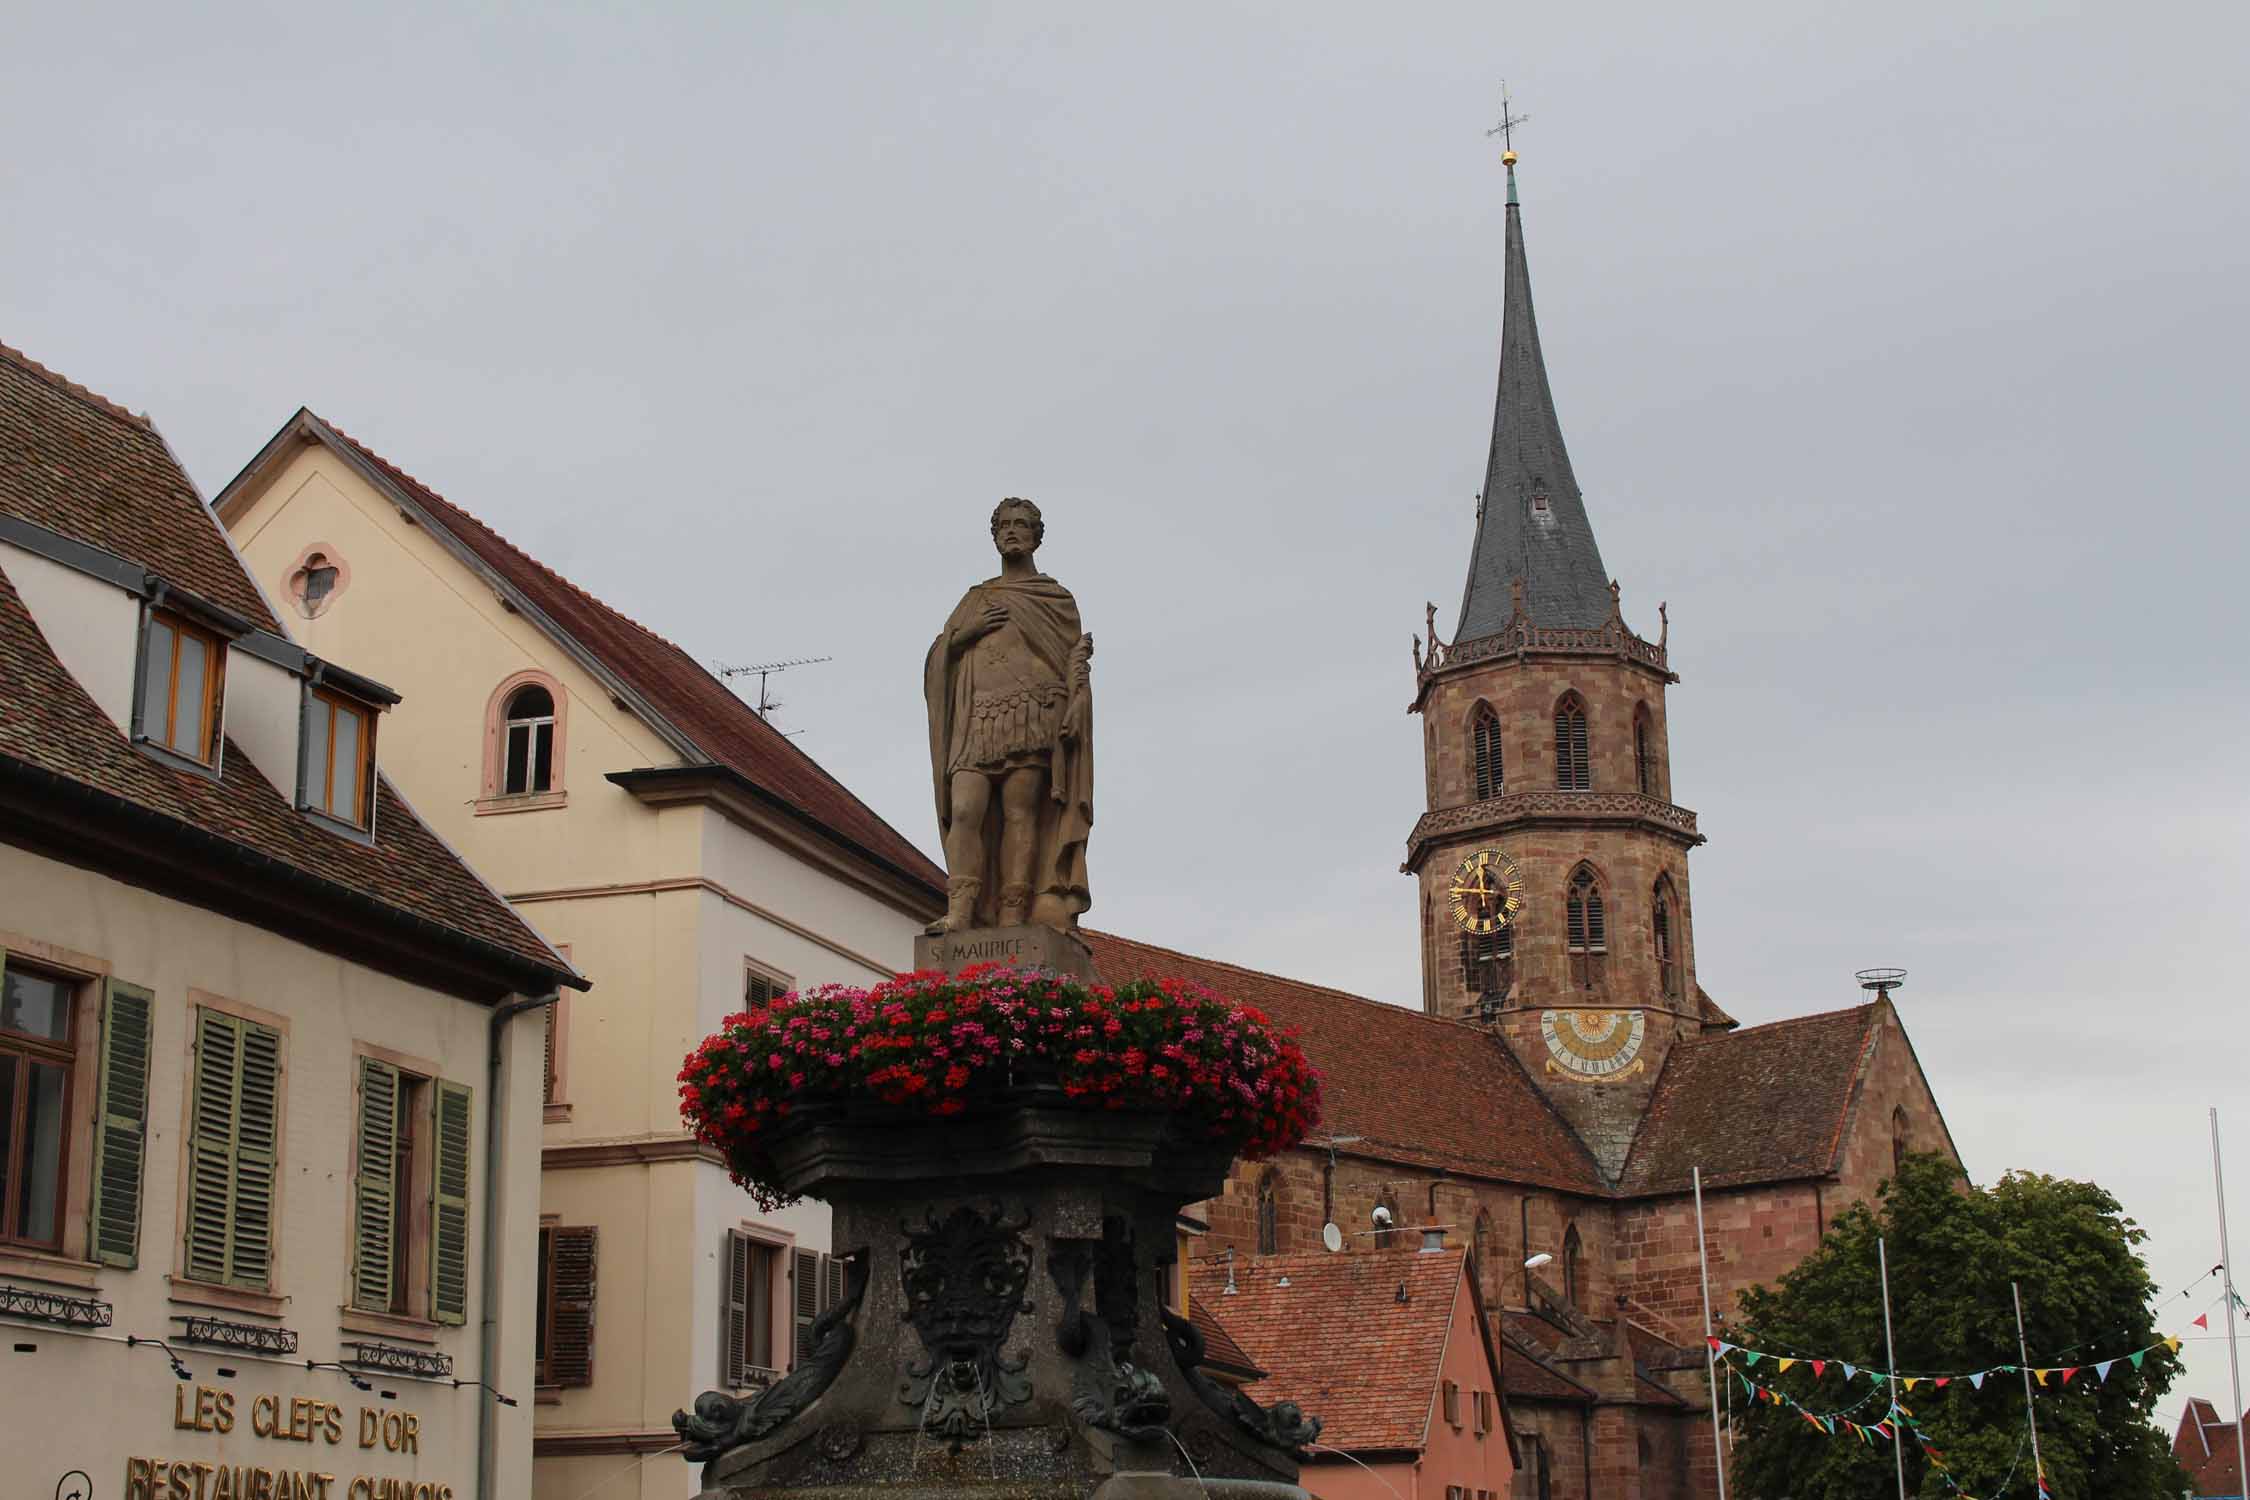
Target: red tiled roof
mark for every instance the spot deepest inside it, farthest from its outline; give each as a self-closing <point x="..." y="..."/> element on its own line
<point x="697" y="704"/>
<point x="1338" y="1341"/>
<point x="138" y="497"/>
<point x="1220" y="1351"/>
<point x="1413" y="1087"/>
<point x="82" y="465"/>
<point x="1766" y="1104"/>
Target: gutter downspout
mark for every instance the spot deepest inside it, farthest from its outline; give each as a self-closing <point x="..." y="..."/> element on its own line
<point x="488" y="1326"/>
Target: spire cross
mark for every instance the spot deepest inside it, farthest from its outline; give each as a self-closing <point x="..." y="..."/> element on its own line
<point x="1509" y="120"/>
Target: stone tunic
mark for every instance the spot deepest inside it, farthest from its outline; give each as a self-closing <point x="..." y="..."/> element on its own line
<point x="1015" y="708"/>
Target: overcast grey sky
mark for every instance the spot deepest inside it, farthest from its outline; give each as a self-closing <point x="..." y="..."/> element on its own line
<point x="1898" y="346"/>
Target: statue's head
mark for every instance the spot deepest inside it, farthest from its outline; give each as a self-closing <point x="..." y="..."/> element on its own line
<point x="1016" y="527"/>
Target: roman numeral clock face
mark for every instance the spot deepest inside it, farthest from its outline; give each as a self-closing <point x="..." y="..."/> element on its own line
<point x="1487" y="892"/>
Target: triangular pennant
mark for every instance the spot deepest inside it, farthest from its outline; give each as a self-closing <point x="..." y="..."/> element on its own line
<point x="1819" y="1368"/>
<point x="1751" y="1357"/>
<point x="2175" y="1343"/>
<point x="1976" y="1381"/>
<point x="2137" y="1356"/>
<point x="1913" y="1381"/>
<point x="2203" y="1321"/>
<point x="1850" y="1373"/>
<point x="2041" y="1375"/>
<point x="2101" y="1371"/>
<point x="2072" y="1370"/>
<point x="1943" y="1381"/>
<point x="1783" y="1367"/>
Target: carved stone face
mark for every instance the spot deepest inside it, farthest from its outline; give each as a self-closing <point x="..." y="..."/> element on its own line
<point x="1014" y="533"/>
<point x="964" y="1282"/>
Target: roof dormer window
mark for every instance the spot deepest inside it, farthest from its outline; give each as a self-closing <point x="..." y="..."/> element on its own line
<point x="337" y="776"/>
<point x="183" y="671"/>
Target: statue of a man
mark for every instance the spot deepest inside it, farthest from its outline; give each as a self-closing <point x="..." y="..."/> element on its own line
<point x="1010" y="696"/>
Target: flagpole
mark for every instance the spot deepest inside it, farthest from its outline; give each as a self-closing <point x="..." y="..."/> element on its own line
<point x="2023" y="1353"/>
<point x="1890" y="1352"/>
<point x="1710" y="1352"/>
<point x="2226" y="1273"/>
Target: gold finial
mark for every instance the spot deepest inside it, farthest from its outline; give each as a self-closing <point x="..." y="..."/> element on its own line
<point x="1507" y="158"/>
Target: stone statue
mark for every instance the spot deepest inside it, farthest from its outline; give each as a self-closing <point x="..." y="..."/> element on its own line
<point x="1010" y="699"/>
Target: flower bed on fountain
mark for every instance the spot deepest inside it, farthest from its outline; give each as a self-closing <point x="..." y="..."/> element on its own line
<point x="929" y="1045"/>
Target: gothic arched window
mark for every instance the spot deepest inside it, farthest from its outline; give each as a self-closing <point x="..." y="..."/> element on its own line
<point x="1644" y="760"/>
<point x="1572" y="1284"/>
<point x="1269" y="1212"/>
<point x="1480" y="1247"/>
<point x="1484" y="736"/>
<point x="1573" y="767"/>
<point x="1667" y="939"/>
<point x="1898" y="1140"/>
<point x="1585" y="928"/>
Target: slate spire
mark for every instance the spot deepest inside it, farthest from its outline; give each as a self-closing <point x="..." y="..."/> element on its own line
<point x="1531" y="525"/>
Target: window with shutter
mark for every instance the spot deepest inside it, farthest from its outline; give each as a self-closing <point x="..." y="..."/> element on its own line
<point x="1452" y="1403"/>
<point x="761" y="985"/>
<point x="570" y="1305"/>
<point x="805" y="1282"/>
<point x="121" y="1133"/>
<point x="449" y="1207"/>
<point x="38" y="1056"/>
<point x="1573" y="768"/>
<point x="1485" y="746"/>
<point x="233" y="1151"/>
<point x="375" y="1197"/>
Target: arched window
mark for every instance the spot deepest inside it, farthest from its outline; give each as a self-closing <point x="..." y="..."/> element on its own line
<point x="1644" y="759"/>
<point x="1573" y="768"/>
<point x="1490" y="958"/>
<point x="524" y="740"/>
<point x="1585" y="928"/>
<point x="1269" y="1212"/>
<point x="1667" y="939"/>
<point x="1899" y="1146"/>
<point x="1573" y="1285"/>
<point x="1485" y="737"/>
<point x="1388" y="1233"/>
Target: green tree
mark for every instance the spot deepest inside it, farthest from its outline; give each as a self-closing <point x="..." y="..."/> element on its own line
<point x="1954" y="1248"/>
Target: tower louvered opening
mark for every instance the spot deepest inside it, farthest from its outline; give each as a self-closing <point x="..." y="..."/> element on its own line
<point x="1486" y="745"/>
<point x="1573" y="764"/>
<point x="1585" y="929"/>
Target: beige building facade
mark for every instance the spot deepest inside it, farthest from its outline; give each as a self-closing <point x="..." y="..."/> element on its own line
<point x="685" y="856"/>
<point x="269" y="1051"/>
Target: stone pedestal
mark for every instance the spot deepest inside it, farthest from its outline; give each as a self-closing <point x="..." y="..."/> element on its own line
<point x="1007" y="1330"/>
<point x="1032" y="947"/>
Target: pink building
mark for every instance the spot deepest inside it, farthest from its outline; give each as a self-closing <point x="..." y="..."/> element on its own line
<point x="1391" y="1350"/>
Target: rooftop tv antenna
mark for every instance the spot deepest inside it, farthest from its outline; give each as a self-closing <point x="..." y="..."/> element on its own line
<point x="766" y="703"/>
<point x="1881" y="981"/>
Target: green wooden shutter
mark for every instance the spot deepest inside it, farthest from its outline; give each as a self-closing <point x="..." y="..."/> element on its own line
<point x="218" y="1066"/>
<point x="375" y="1190"/>
<point x="121" y="1129"/>
<point x="449" y="1216"/>
<point x="257" y="1158"/>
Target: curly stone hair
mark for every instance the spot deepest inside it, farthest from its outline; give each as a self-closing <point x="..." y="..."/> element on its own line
<point x="1038" y="526"/>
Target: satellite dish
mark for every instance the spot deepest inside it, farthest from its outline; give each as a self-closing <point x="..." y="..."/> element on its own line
<point x="1332" y="1237"/>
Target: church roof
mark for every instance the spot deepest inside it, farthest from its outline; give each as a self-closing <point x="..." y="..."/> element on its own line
<point x="1764" y="1104"/>
<point x="1411" y="1086"/>
<point x="1531" y="524"/>
<point x="1758" y="1104"/>
<point x="1311" y="1336"/>
<point x="696" y="705"/>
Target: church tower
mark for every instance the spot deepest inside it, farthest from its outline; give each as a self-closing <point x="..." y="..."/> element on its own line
<point x="1552" y="859"/>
